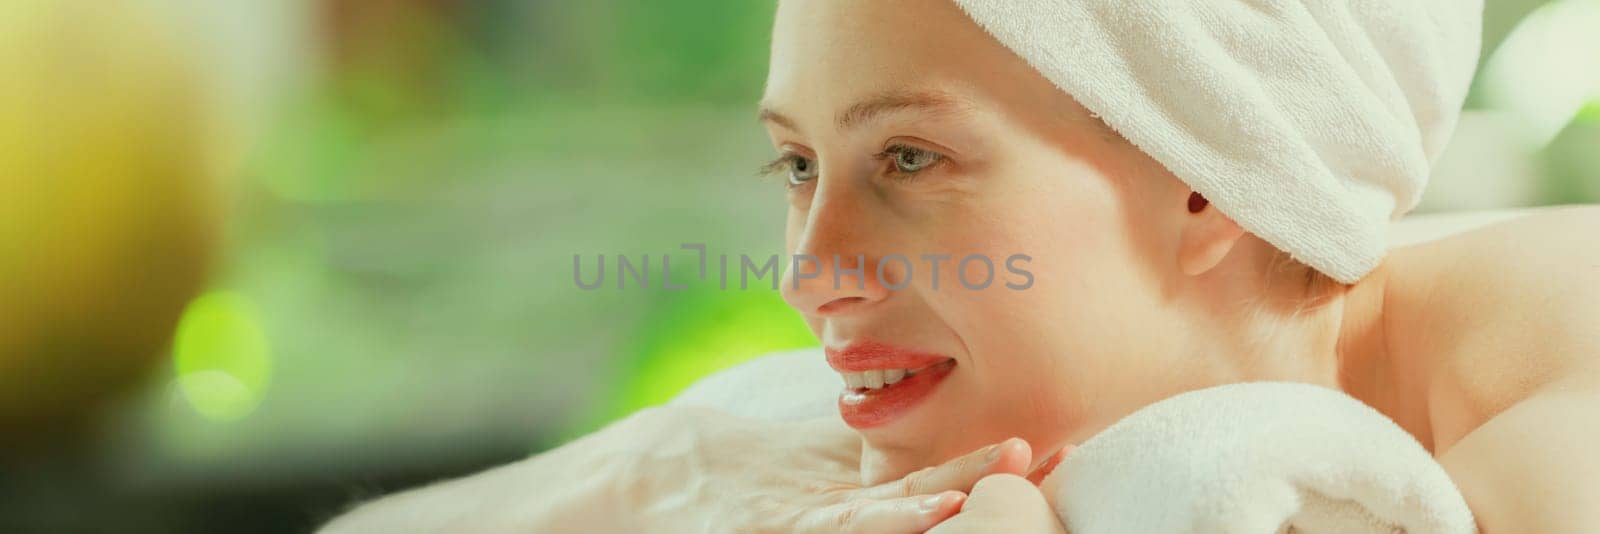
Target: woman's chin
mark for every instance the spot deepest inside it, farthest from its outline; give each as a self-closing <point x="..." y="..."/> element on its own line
<point x="889" y="455"/>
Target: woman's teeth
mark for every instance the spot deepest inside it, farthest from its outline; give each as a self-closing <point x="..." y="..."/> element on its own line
<point x="874" y="379"/>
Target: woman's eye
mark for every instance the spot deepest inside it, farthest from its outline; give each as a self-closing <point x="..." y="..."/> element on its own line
<point x="801" y="170"/>
<point x="910" y="160"/>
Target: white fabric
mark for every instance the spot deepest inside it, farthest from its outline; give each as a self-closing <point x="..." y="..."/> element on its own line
<point x="1256" y="457"/>
<point x="785" y="386"/>
<point x="1312" y="123"/>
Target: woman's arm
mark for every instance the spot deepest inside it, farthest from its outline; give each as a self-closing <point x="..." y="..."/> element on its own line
<point x="684" y="469"/>
<point x="568" y="489"/>
<point x="1523" y="318"/>
<point x="1536" y="466"/>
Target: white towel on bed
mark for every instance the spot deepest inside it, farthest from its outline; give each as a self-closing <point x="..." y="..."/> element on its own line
<point x="1240" y="458"/>
<point x="1311" y="123"/>
<point x="1257" y="457"/>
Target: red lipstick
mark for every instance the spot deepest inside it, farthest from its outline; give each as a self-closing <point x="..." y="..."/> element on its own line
<point x="867" y="407"/>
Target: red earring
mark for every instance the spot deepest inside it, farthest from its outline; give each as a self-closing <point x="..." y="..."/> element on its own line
<point x="1197" y="202"/>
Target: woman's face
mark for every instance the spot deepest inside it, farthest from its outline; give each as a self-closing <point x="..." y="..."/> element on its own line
<point x="905" y="133"/>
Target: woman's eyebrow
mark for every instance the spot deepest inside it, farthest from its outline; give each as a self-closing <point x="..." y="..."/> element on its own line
<point x="772" y="116"/>
<point x="893" y="101"/>
<point x="878" y="105"/>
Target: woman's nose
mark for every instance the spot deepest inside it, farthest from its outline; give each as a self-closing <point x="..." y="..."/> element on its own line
<point x="832" y="284"/>
<point x="834" y="268"/>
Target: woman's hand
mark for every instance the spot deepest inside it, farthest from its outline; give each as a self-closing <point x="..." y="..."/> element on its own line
<point x="1003" y="503"/>
<point x="681" y="469"/>
<point x="1009" y="503"/>
<point x="712" y="471"/>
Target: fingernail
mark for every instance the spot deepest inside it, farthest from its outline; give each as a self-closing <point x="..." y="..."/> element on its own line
<point x="931" y="504"/>
<point x="996" y="449"/>
<point x="1045" y="468"/>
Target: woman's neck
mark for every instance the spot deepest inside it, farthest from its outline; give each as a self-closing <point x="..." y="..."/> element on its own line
<point x="1341" y="341"/>
<point x="1367" y="369"/>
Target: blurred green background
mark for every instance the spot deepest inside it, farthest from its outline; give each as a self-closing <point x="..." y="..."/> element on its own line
<point x="262" y="258"/>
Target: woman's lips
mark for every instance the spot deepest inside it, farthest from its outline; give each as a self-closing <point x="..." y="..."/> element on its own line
<point x="867" y="408"/>
<point x="866" y="356"/>
<point x="864" y="407"/>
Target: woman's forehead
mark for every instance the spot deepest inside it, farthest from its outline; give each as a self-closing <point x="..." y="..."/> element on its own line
<point x="853" y="57"/>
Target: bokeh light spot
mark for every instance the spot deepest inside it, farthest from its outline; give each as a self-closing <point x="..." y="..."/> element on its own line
<point x="221" y="356"/>
<point x="1590" y="112"/>
<point x="698" y="333"/>
<point x="1545" y="90"/>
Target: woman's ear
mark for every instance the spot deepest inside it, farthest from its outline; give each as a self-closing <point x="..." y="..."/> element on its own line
<point x="1208" y="236"/>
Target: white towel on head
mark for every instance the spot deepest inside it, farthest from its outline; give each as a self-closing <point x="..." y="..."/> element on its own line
<point x="1257" y="457"/>
<point x="1311" y="123"/>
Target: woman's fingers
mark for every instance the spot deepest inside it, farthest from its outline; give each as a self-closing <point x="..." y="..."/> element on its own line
<point x="1010" y="456"/>
<point x="1003" y="503"/>
<point x="922" y="499"/>
<point x="1045" y="468"/>
<point x="900" y="515"/>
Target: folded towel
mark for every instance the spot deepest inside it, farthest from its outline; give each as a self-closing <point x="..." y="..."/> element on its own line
<point x="1311" y="123"/>
<point x="1253" y="457"/>
<point x="784" y="386"/>
<point x="1256" y="457"/>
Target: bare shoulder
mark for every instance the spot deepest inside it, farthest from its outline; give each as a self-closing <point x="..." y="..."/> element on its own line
<point x="1498" y="313"/>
